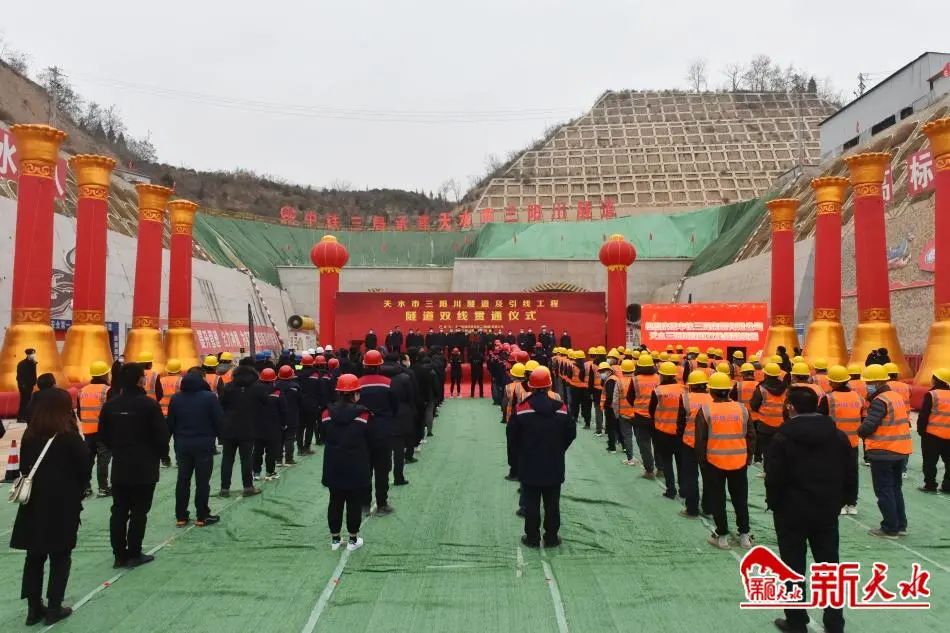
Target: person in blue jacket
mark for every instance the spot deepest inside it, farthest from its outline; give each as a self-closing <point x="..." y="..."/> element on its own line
<point x="194" y="421"/>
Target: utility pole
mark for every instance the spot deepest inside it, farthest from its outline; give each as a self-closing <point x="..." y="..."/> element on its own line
<point x="861" y="83"/>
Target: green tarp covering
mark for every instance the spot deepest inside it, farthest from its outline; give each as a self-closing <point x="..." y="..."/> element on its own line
<point x="717" y="232"/>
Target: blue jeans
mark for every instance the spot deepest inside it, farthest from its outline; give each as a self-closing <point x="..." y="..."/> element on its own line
<point x="887" y="479"/>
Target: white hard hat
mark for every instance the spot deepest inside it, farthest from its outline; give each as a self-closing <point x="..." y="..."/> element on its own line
<point x="311" y="351"/>
<point x="319" y="350"/>
<point x="328" y="347"/>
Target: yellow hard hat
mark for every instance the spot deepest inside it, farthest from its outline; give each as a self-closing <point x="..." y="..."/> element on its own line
<point x="645" y="360"/>
<point x="855" y="369"/>
<point x="517" y="370"/>
<point x="692" y="349"/>
<point x="697" y="378"/>
<point x="772" y="369"/>
<point x="668" y="369"/>
<point x="775" y="358"/>
<point x="226" y="357"/>
<point x="821" y="363"/>
<point x="720" y="381"/>
<point x="664" y="356"/>
<point x="719" y="352"/>
<point x="892" y="368"/>
<point x="655" y="355"/>
<point x="621" y="349"/>
<point x="747" y="367"/>
<point x="801" y="368"/>
<point x="601" y="350"/>
<point x="579" y="354"/>
<point x="738" y="355"/>
<point x="605" y="365"/>
<point x="874" y="373"/>
<point x="98" y="368"/>
<point x="723" y="368"/>
<point x="613" y="353"/>
<point x="144" y="357"/>
<point x="669" y="348"/>
<point x="838" y="373"/>
<point x="531" y="365"/>
<point x="676" y="358"/>
<point x="679" y="348"/>
<point x="173" y="366"/>
<point x="626" y="366"/>
<point x="798" y="359"/>
<point x="943" y="375"/>
<point x="634" y="353"/>
<point x="754" y="358"/>
<point x="210" y="361"/>
<point x="710" y="351"/>
<point x="591" y="350"/>
<point x="556" y="350"/>
<point x="702" y="358"/>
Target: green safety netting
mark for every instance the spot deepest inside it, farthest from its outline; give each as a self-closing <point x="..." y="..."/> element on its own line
<point x="261" y="247"/>
<point x="737" y="222"/>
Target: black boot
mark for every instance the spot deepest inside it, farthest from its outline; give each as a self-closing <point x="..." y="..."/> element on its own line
<point x="55" y="614"/>
<point x="35" y="612"/>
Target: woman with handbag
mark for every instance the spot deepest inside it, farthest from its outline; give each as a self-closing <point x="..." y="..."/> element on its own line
<point x="50" y="496"/>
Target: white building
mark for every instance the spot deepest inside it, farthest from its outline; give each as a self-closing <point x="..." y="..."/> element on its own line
<point x="914" y="87"/>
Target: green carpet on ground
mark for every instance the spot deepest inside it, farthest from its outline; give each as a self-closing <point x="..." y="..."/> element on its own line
<point x="449" y="558"/>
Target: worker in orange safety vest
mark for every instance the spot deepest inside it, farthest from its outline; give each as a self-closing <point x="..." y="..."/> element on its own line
<point x="846" y="408"/>
<point x="91" y="398"/>
<point x="695" y="397"/>
<point x="933" y="426"/>
<point x="664" y="409"/>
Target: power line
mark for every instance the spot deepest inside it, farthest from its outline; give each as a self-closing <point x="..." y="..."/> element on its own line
<point x="336" y="112"/>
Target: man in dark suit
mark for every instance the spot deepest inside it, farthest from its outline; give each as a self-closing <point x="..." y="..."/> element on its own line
<point x="26" y="381"/>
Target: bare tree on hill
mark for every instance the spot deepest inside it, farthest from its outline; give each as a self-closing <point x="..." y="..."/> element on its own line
<point x="696" y="75"/>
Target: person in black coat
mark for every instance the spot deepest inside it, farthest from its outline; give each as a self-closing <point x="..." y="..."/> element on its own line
<point x="311" y="404"/>
<point x="25" y="382"/>
<point x="455" y="373"/>
<point x="194" y="421"/>
<point x="376" y="395"/>
<point x="402" y="385"/>
<point x="347" y="461"/>
<point x="371" y="341"/>
<point x="46" y="527"/>
<point x="807" y="472"/>
<point x="565" y="340"/>
<point x="426" y="383"/>
<point x="132" y="426"/>
<point x="540" y="433"/>
<point x="395" y="344"/>
<point x="269" y="426"/>
<point x="290" y="393"/>
<point x="476" y="359"/>
<point x="242" y="405"/>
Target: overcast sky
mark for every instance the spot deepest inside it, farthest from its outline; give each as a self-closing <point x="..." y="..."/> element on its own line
<point x="407" y="94"/>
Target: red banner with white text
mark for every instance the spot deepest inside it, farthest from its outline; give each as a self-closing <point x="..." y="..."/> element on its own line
<point x="725" y="325"/>
<point x="212" y="338"/>
<point x="580" y="314"/>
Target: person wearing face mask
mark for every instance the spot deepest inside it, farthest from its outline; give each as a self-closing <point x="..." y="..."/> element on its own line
<point x="608" y="381"/>
<point x="25" y="381"/>
<point x="887" y="445"/>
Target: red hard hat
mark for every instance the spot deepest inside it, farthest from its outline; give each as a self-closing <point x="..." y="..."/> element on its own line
<point x="540" y="378"/>
<point x="285" y="372"/>
<point x="320" y="360"/>
<point x="455" y="350"/>
<point x="506" y="347"/>
<point x="348" y="383"/>
<point x="538" y="344"/>
<point x="306" y="360"/>
<point x="268" y="375"/>
<point x="522" y="356"/>
<point x="497" y="343"/>
<point x="372" y="359"/>
<point x="334" y="363"/>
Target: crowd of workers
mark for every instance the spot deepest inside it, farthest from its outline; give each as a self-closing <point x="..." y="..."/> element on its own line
<point x="701" y="418"/>
<point x="694" y="418"/>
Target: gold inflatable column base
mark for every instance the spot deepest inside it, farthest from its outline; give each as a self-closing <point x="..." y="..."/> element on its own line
<point x="825" y="339"/>
<point x="85" y="344"/>
<point x="872" y="335"/>
<point x="780" y="335"/>
<point x="936" y="354"/>
<point x="180" y="344"/>
<point x="144" y="340"/>
<point x="23" y="336"/>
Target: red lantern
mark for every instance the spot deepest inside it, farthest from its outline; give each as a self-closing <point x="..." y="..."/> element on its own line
<point x="329" y="253"/>
<point x="617" y="251"/>
<point x="617" y="254"/>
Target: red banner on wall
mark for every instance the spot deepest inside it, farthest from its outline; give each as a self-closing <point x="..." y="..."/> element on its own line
<point x="581" y="314"/>
<point x="736" y="325"/>
<point x="212" y="338"/>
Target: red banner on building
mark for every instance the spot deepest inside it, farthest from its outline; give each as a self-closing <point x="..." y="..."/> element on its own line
<point x="725" y="325"/>
<point x="10" y="163"/>
<point x="581" y="314"/>
<point x="212" y="338"/>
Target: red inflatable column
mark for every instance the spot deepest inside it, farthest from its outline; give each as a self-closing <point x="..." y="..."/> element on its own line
<point x="825" y="337"/>
<point x="329" y="256"/>
<point x="145" y="339"/>
<point x="87" y="340"/>
<point x="38" y="150"/>
<point x="617" y="254"/>
<point x="875" y="329"/>
<point x="782" y="324"/>
<point x="937" y="352"/>
<point x="180" y="340"/>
